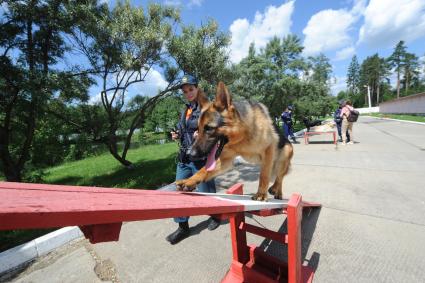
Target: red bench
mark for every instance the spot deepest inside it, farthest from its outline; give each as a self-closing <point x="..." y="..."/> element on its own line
<point x="99" y="212"/>
<point x="308" y="134"/>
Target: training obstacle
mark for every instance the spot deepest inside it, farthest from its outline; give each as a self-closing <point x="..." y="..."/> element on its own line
<point x="99" y="212"/>
<point x="309" y="134"/>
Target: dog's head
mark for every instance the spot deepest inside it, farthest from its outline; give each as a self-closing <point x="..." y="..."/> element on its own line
<point x="213" y="126"/>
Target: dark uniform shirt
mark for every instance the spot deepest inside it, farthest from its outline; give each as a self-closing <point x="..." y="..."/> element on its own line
<point x="187" y="127"/>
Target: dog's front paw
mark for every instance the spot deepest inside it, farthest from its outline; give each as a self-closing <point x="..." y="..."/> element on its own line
<point x="278" y="196"/>
<point x="260" y="197"/>
<point x="185" y="185"/>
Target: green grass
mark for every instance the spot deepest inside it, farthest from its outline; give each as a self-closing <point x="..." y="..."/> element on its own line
<point x="154" y="165"/>
<point x="414" y="118"/>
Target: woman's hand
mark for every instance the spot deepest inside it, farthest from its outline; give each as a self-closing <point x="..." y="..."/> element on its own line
<point x="195" y="134"/>
<point x="174" y="135"/>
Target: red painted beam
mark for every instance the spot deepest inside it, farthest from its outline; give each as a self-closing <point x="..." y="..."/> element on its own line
<point x="25" y="206"/>
<point x="266" y="233"/>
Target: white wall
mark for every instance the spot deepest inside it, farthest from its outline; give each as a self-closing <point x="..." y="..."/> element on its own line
<point x="413" y="104"/>
<point x="368" y="110"/>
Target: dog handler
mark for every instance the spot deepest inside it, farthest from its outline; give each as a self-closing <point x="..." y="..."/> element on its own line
<point x="287" y="123"/>
<point x="186" y="133"/>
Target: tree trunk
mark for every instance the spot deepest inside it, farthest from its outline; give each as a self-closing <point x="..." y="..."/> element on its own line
<point x="398" y="84"/>
<point x="113" y="150"/>
<point x="377" y="95"/>
<point x="10" y="169"/>
<point x="407" y="83"/>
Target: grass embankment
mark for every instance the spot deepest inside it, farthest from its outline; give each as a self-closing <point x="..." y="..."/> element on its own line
<point x="154" y="165"/>
<point x="414" y="118"/>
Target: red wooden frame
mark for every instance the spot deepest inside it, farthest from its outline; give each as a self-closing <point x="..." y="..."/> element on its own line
<point x="308" y="134"/>
<point x="99" y="212"/>
<point x="251" y="264"/>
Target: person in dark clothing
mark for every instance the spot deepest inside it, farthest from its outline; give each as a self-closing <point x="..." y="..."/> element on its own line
<point x="186" y="134"/>
<point x="338" y="122"/>
<point x="287" y="123"/>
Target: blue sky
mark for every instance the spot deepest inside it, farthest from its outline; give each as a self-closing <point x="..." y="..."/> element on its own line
<point x="339" y="29"/>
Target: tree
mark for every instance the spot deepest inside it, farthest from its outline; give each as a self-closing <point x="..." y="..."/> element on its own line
<point x="202" y="52"/>
<point x="411" y="70"/>
<point x="165" y="114"/>
<point x="321" y="69"/>
<point x="123" y="45"/>
<point x="273" y="78"/>
<point x="32" y="42"/>
<point x="285" y="55"/>
<point x="397" y="61"/>
<point x="353" y="77"/>
<point x="251" y="77"/>
<point x="373" y="73"/>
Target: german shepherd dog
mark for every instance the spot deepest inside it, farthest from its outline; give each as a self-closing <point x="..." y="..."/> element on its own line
<point x="311" y="123"/>
<point x="227" y="129"/>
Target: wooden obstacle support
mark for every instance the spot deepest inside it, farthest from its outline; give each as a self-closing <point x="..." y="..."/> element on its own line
<point x="251" y="264"/>
<point x="308" y="134"/>
<point x="99" y="212"/>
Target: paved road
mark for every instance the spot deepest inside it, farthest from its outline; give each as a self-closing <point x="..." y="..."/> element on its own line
<point x="371" y="227"/>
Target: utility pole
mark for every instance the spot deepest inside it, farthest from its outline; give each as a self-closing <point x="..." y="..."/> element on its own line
<point x="368" y="95"/>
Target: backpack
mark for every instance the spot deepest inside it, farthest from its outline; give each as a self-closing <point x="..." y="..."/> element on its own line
<point x="354" y="115"/>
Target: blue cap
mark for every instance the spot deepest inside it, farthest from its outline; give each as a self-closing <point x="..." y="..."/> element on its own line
<point x="188" y="80"/>
<point x="290" y="107"/>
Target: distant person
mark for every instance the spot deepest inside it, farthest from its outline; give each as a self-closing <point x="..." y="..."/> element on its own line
<point x="187" y="130"/>
<point x="338" y="122"/>
<point x="287" y="123"/>
<point x="347" y="127"/>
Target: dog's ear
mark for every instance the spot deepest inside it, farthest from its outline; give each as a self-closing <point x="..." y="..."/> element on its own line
<point x="223" y="100"/>
<point x="202" y="98"/>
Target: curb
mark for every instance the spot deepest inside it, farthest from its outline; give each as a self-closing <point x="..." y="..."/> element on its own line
<point x="406" y="121"/>
<point x="17" y="256"/>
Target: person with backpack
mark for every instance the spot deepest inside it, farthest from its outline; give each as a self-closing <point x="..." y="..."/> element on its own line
<point x="338" y="122"/>
<point x="348" y="115"/>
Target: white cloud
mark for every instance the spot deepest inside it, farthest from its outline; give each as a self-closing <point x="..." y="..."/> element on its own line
<point x="172" y="2"/>
<point x="389" y="21"/>
<point x="195" y="3"/>
<point x="191" y="4"/>
<point x="345" y="53"/>
<point x="154" y="82"/>
<point x="329" y="29"/>
<point x="275" y="21"/>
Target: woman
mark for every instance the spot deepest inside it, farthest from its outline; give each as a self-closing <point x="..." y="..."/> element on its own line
<point x="338" y="121"/>
<point x="186" y="133"/>
<point x="346" y="125"/>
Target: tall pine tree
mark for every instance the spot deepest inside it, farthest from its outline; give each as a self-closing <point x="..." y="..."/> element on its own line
<point x="397" y="61"/>
<point x="353" y="77"/>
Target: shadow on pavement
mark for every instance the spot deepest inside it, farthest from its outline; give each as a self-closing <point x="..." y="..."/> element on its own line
<point x="280" y="251"/>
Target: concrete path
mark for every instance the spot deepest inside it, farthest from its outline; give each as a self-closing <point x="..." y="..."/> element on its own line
<point x="371" y="227"/>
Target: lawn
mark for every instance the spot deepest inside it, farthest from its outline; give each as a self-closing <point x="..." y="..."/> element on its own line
<point x="154" y="166"/>
<point x="414" y="118"/>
